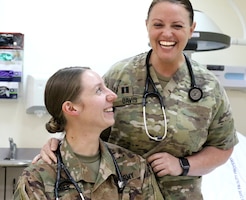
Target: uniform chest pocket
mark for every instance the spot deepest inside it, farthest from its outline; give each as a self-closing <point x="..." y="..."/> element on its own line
<point x="66" y="191"/>
<point x="132" y="193"/>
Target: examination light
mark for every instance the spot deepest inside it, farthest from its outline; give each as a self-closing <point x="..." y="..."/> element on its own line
<point x="207" y="35"/>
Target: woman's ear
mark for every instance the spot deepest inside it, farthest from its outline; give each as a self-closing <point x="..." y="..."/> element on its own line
<point x="69" y="108"/>
<point x="192" y="29"/>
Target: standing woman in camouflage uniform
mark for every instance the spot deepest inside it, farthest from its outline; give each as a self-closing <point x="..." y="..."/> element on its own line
<point x="82" y="106"/>
<point x="195" y="132"/>
<point x="197" y="135"/>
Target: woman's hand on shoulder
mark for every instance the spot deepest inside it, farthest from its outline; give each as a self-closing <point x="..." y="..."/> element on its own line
<point x="47" y="152"/>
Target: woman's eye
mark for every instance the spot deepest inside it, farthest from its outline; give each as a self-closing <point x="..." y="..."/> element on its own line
<point x="158" y="25"/>
<point x="99" y="91"/>
<point x="178" y="26"/>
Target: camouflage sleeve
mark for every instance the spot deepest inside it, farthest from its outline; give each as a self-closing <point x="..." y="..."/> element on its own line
<point x="109" y="80"/>
<point x="222" y="132"/>
<point x="111" y="76"/>
<point x="29" y="188"/>
<point x="20" y="192"/>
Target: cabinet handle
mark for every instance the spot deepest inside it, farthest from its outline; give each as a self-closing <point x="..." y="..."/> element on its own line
<point x="14" y="183"/>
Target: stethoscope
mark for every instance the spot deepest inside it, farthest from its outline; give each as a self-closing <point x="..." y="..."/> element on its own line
<point x="195" y="94"/>
<point x="121" y="183"/>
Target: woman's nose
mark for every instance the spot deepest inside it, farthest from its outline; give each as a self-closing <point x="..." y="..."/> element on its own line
<point x="111" y="96"/>
<point x="167" y="32"/>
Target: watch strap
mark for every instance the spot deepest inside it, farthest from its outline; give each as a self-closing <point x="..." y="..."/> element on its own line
<point x="185" y="165"/>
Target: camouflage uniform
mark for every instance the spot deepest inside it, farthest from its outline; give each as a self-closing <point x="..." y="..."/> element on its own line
<point x="38" y="180"/>
<point x="191" y="125"/>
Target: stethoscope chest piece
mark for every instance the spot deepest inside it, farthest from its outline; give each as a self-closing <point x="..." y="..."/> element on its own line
<point x="195" y="94"/>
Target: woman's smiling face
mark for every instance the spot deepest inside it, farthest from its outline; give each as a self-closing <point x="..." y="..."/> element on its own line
<point x="96" y="103"/>
<point x="169" y="29"/>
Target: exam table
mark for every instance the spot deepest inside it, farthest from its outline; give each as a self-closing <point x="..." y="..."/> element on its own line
<point x="228" y="182"/>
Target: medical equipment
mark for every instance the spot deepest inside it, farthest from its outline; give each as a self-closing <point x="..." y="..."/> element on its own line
<point x="195" y="94"/>
<point x="231" y="77"/>
<point x="60" y="165"/>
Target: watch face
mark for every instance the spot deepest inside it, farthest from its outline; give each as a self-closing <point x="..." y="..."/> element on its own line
<point x="184" y="163"/>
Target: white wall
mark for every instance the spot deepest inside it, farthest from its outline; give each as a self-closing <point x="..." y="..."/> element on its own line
<point x="97" y="33"/>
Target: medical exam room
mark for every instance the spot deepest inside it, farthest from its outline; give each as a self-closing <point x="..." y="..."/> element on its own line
<point x="51" y="34"/>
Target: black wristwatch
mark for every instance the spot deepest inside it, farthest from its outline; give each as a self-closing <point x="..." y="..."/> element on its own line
<point x="184" y="163"/>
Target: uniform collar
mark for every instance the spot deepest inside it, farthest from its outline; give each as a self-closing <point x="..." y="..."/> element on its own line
<point x="79" y="171"/>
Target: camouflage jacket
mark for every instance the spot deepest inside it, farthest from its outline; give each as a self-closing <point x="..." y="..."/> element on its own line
<point x="190" y="125"/>
<point x="38" y="180"/>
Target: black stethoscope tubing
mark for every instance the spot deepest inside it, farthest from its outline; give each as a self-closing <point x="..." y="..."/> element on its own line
<point x="60" y="166"/>
<point x="121" y="183"/>
<point x="194" y="93"/>
<point x="155" y="93"/>
<point x="149" y="80"/>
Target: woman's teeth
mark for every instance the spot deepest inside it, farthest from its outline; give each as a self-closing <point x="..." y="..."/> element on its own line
<point x="165" y="43"/>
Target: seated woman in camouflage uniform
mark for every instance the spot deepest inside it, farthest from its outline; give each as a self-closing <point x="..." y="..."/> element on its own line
<point x="82" y="106"/>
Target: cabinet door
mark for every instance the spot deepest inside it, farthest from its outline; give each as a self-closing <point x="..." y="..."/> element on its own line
<point x="1" y="182"/>
<point x="13" y="174"/>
